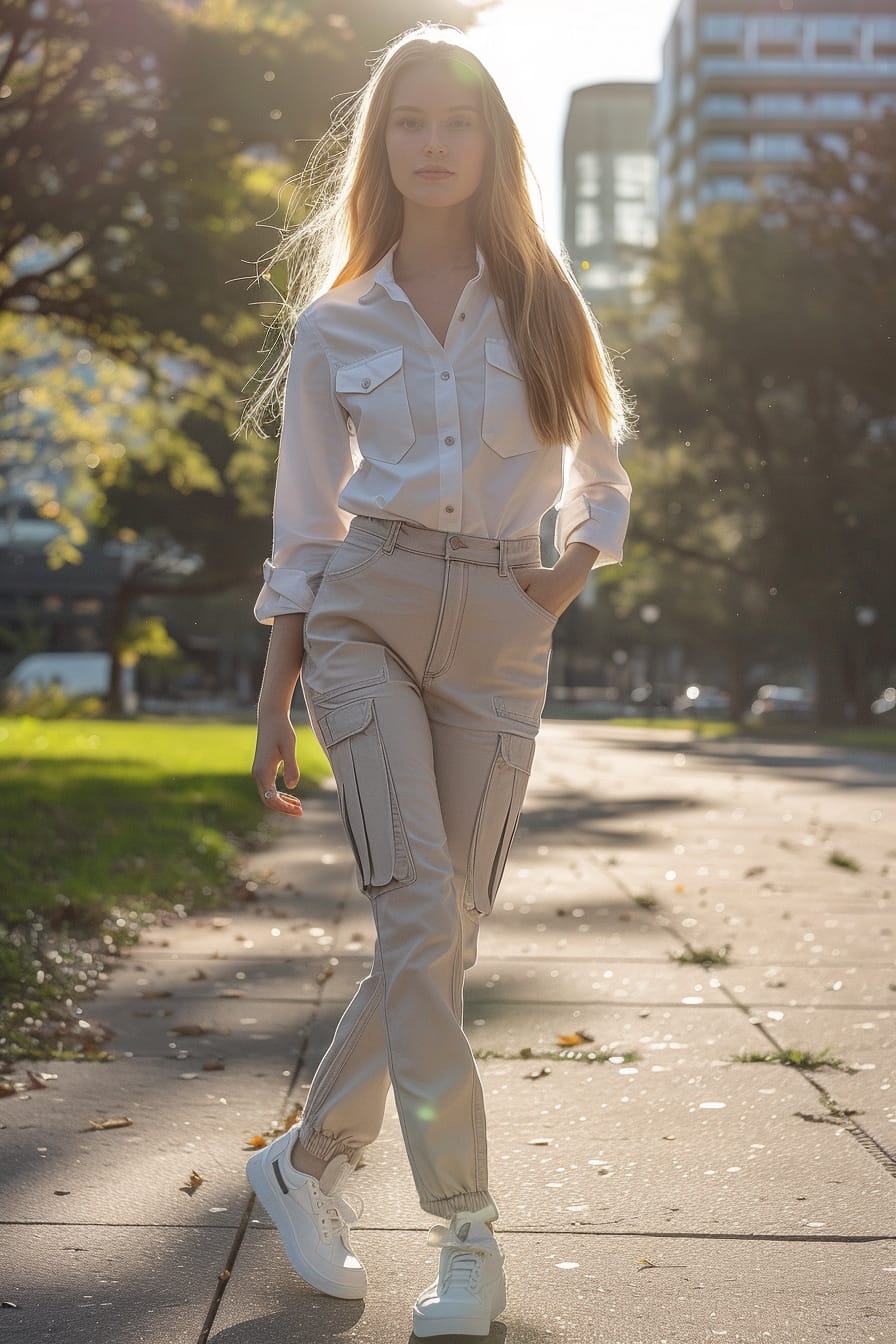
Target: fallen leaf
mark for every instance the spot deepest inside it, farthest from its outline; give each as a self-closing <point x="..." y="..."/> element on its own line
<point x="539" y="1143"/>
<point x="14" y="1305"/>
<point x="193" y="1182"/>
<point x="198" y="974"/>
<point x="574" y="1038"/>
<point x="156" y="994"/>
<point x="212" y="1065"/>
<point x="257" y="1141"/>
<point x="232" y="994"/>
<point x="539" y="1073"/>
<point x="116" y="1122"/>
<point x="324" y="975"/>
<point x="36" y="1080"/>
<point x="6" y="1089"/>
<point x="62" y="1192"/>
<point x="188" y="1077"/>
<point x="646" y="1264"/>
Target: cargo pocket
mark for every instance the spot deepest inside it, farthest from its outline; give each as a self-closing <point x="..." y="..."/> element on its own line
<point x="499" y="812"/>
<point x="367" y="798"/>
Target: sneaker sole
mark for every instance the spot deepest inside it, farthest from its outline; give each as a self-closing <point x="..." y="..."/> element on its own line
<point x="271" y="1199"/>
<point x="426" y="1327"/>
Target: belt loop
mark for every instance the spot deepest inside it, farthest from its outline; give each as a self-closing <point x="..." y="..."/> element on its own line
<point x="394" y="529"/>
<point x="503" y="568"/>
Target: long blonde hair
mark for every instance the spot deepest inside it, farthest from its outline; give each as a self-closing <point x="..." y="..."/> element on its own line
<point x="354" y="215"/>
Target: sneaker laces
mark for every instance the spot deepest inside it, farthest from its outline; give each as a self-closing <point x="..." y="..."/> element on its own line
<point x="337" y="1214"/>
<point x="463" y="1264"/>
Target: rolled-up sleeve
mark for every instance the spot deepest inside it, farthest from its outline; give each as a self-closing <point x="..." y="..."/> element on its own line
<point x="313" y="466"/>
<point x="594" y="503"/>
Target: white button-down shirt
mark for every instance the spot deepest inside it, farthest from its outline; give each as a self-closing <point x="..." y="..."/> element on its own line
<point x="379" y="418"/>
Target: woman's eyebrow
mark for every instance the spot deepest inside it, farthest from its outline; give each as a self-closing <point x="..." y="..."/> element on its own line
<point x="461" y="107"/>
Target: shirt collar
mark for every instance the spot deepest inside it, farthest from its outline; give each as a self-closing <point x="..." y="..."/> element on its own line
<point x="383" y="275"/>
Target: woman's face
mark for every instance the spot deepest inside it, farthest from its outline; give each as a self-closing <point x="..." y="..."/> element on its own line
<point x="436" y="139"/>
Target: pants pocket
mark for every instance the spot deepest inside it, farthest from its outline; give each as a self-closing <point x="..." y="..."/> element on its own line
<point x="367" y="798"/>
<point x="496" y="823"/>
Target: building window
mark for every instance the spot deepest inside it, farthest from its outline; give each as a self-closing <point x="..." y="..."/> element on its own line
<point x="723" y="147"/>
<point x="836" y="34"/>
<point x="602" y="276"/>
<point x="839" y="105"/>
<point x="880" y="102"/>
<point x="836" y="143"/>
<point x="724" y="105"/>
<point x="779" y="105"/>
<point x="687" y="171"/>
<point x="884" y="32"/>
<point x="587" y="174"/>
<point x="633" y="224"/>
<point x="686" y="130"/>
<point x="587" y="224"/>
<point x="778" y="35"/>
<point x="633" y="176"/>
<point x="725" y="189"/>
<point x="721" y="29"/>
<point x="778" y="147"/>
<point x="686" y="90"/>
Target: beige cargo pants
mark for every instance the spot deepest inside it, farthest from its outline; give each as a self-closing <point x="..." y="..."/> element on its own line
<point x="424" y="674"/>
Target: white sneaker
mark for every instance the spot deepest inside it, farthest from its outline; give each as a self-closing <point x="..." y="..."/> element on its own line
<point x="470" y="1290"/>
<point x="310" y="1216"/>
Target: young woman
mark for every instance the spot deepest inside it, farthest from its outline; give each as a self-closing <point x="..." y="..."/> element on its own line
<point x="445" y="387"/>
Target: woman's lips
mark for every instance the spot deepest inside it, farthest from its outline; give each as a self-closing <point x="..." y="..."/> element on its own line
<point x="434" y="173"/>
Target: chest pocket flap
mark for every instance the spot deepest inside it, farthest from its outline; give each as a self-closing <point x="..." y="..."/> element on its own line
<point x="373" y="392"/>
<point x="505" y="413"/>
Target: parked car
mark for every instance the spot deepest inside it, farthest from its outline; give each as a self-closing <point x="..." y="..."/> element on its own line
<point x="885" y="702"/>
<point x="703" y="701"/>
<point x="778" y="703"/>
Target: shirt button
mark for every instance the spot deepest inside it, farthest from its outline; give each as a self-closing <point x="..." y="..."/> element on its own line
<point x="365" y="382"/>
<point x="445" y="377"/>
<point x="461" y="317"/>
<point x="449" y="439"/>
<point x="449" y="508"/>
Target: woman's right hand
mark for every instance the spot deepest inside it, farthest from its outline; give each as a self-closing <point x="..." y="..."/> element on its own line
<point x="276" y="743"/>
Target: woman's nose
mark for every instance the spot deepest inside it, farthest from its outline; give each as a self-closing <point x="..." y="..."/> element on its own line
<point x="433" y="142"/>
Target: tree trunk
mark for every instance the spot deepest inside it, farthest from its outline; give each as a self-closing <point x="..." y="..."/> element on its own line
<point x="118" y="619"/>
<point x="830" y="689"/>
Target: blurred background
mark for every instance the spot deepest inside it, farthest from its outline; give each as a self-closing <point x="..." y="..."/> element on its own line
<point x="723" y="177"/>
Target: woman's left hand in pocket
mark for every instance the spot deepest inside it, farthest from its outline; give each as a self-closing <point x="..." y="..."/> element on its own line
<point x="546" y="588"/>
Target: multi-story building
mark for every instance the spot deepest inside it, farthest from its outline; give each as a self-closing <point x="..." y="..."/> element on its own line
<point x="744" y="82"/>
<point x="609" y="189"/>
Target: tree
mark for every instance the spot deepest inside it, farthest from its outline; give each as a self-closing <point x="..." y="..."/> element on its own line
<point x="144" y="140"/>
<point x="767" y="407"/>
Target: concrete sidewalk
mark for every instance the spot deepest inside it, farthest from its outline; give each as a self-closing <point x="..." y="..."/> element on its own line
<point x="672" y="1199"/>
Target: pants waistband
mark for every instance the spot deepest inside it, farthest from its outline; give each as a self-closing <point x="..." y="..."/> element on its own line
<point x="502" y="552"/>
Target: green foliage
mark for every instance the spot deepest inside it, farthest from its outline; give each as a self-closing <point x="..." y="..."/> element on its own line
<point x="767" y="461"/>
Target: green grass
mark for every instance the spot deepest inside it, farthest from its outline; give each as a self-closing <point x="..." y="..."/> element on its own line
<point x="109" y="821"/>
<point x="702" y="956"/>
<point x="877" y="738"/>
<point x="795" y="1058"/>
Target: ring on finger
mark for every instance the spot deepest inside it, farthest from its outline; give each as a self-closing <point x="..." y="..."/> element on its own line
<point x="270" y="793"/>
